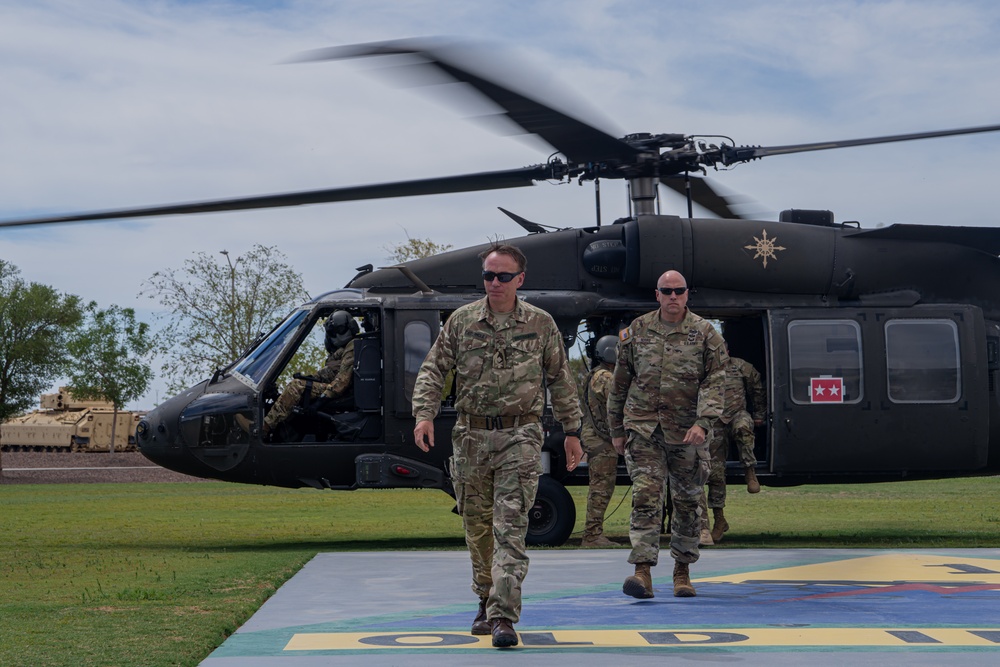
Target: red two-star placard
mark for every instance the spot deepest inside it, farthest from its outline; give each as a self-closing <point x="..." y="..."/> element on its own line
<point x="826" y="390"/>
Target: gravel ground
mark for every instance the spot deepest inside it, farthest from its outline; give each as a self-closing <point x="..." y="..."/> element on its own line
<point x="66" y="468"/>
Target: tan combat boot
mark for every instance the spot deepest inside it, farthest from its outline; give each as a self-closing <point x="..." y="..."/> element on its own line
<point x="753" y="486"/>
<point x="596" y="542"/>
<point x="705" y="539"/>
<point x="721" y="525"/>
<point x="640" y="584"/>
<point x="682" y="581"/>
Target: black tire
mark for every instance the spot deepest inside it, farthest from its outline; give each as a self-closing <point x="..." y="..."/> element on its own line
<point x="553" y="516"/>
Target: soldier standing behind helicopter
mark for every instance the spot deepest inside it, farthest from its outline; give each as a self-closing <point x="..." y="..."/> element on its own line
<point x="602" y="459"/>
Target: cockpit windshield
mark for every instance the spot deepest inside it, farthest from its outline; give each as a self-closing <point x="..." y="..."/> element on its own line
<point x="255" y="364"/>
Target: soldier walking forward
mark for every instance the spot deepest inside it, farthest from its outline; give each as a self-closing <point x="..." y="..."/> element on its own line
<point x="666" y="394"/>
<point x="743" y="382"/>
<point x="504" y="352"/>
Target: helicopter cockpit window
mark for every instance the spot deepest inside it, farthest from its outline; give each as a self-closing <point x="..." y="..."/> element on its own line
<point x="416" y="344"/>
<point x="309" y="356"/>
<point x="256" y="364"/>
<point x="922" y="361"/>
<point x="824" y="359"/>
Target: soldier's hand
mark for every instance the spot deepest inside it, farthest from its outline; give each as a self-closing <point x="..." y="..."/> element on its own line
<point x="695" y="435"/>
<point x="619" y="445"/>
<point x="574" y="451"/>
<point x="424" y="430"/>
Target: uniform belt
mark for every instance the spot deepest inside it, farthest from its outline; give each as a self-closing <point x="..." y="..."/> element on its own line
<point x="492" y="423"/>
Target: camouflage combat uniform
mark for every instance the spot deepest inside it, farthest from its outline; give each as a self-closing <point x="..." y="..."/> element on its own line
<point x="736" y="425"/>
<point x="335" y="378"/>
<point x="602" y="459"/>
<point x="502" y="368"/>
<point x="667" y="379"/>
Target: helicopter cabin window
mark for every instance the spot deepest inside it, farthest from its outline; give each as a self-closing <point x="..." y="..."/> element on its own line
<point x="824" y="360"/>
<point x="416" y="344"/>
<point x="922" y="361"/>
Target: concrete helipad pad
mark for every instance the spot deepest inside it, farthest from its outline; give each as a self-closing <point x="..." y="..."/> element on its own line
<point x="754" y="607"/>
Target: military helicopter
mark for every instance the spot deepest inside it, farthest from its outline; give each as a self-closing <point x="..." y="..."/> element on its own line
<point x="880" y="348"/>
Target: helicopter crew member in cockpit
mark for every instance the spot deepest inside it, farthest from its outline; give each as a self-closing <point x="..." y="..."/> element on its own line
<point x="666" y="395"/>
<point x="331" y="381"/>
<point x="505" y="354"/>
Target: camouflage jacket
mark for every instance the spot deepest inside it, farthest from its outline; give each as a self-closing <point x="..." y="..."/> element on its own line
<point x="595" y="404"/>
<point x="500" y="370"/>
<point x="338" y="372"/>
<point x="673" y="378"/>
<point x="743" y="382"/>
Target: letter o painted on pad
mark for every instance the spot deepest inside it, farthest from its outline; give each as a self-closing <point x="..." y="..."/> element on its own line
<point x="411" y="640"/>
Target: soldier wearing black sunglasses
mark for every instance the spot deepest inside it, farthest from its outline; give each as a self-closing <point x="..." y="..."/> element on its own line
<point x="666" y="394"/>
<point x="504" y="352"/>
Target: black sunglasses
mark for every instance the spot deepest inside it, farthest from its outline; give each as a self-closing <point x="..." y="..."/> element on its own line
<point x="672" y="290"/>
<point x="504" y="277"/>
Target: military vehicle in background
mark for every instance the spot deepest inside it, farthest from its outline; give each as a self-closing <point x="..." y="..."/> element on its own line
<point x="64" y="424"/>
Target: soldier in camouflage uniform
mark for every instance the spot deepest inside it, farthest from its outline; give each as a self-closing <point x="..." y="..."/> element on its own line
<point x="332" y="381"/>
<point x="736" y="425"/>
<point x="602" y="459"/>
<point x="666" y="394"/>
<point x="504" y="353"/>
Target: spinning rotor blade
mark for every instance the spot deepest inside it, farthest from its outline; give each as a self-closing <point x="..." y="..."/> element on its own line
<point x="488" y="180"/>
<point x="732" y="155"/>
<point x="702" y="193"/>
<point x="577" y="140"/>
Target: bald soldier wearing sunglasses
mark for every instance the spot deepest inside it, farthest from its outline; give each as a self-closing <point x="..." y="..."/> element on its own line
<point x="666" y="392"/>
<point x="505" y="353"/>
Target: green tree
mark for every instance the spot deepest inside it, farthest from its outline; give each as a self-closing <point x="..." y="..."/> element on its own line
<point x="414" y="249"/>
<point x="110" y="358"/>
<point x="218" y="307"/>
<point x="35" y="324"/>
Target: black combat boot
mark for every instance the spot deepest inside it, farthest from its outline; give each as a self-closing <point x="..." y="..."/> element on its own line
<point x="481" y="626"/>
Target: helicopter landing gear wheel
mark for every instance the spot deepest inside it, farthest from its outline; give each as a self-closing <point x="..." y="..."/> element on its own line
<point x="552" y="517"/>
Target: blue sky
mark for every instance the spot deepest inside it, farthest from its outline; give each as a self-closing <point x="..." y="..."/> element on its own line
<point x="114" y="103"/>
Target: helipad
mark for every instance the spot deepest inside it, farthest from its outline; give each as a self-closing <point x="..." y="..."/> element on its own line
<point x="766" y="607"/>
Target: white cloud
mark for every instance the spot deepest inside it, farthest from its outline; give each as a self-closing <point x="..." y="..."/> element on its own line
<point x="112" y="103"/>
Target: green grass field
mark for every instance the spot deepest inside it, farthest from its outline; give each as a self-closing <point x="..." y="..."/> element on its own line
<point x="161" y="574"/>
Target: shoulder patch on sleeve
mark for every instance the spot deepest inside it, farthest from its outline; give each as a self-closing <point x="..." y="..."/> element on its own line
<point x="625" y="334"/>
<point x="714" y="340"/>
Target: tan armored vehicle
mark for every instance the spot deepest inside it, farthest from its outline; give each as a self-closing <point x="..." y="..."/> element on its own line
<point x="63" y="423"/>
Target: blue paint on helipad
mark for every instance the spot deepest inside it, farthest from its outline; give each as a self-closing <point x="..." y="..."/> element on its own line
<point x="756" y="606"/>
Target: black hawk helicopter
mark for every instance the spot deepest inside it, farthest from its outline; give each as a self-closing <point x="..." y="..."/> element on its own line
<point x="880" y="348"/>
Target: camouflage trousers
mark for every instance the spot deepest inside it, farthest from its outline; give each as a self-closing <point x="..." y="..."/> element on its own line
<point x="740" y="432"/>
<point x="495" y="475"/>
<point x="602" y="467"/>
<point x="289" y="398"/>
<point x="651" y="463"/>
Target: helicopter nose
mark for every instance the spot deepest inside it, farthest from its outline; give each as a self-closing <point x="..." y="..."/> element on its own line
<point x="158" y="435"/>
<point x="153" y="439"/>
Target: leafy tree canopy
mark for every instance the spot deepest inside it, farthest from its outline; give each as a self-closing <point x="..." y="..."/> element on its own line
<point x="110" y="356"/>
<point x="36" y="323"/>
<point x="414" y="249"/>
<point x="217" y="306"/>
